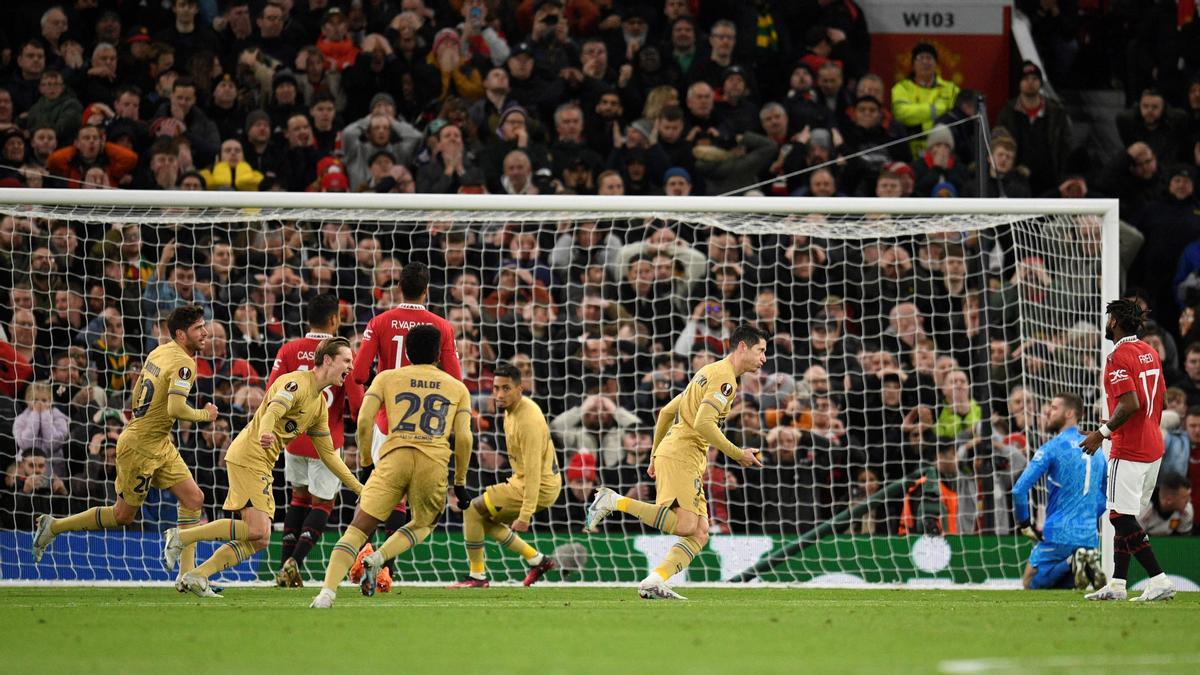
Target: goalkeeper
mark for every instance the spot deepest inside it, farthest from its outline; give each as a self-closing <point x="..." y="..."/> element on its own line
<point x="1065" y="554"/>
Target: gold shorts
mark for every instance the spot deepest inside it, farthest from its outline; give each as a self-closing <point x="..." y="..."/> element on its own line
<point x="411" y="474"/>
<point x="504" y="500"/>
<point x="677" y="483"/>
<point x="137" y="472"/>
<point x="249" y="487"/>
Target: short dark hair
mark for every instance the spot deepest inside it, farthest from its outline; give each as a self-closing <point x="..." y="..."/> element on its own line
<point x="183" y="81"/>
<point x="329" y="347"/>
<point x="1174" y="480"/>
<point x="1193" y="411"/>
<point x="747" y="333"/>
<point x="414" y="280"/>
<point x="322" y="309"/>
<point x="1073" y="401"/>
<point x="182" y="318"/>
<point x="507" y="369"/>
<point x="1192" y="348"/>
<point x="423" y="344"/>
<point x="671" y="113"/>
<point x="1128" y="314"/>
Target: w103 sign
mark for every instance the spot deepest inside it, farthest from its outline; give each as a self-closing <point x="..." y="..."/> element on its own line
<point x="971" y="36"/>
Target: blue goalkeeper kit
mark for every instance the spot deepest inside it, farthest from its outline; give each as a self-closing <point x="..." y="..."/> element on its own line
<point x="1075" y="487"/>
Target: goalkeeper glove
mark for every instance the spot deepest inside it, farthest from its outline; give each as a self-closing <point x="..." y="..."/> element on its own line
<point x="464" y="499"/>
<point x="1026" y="529"/>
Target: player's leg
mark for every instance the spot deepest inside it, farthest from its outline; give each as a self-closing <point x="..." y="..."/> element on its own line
<point x="383" y="490"/>
<point x="296" y="474"/>
<point x="245" y="487"/>
<point x="1159" y="586"/>
<point x="474" y="530"/>
<point x="134" y="473"/>
<point x="323" y="487"/>
<point x="680" y="489"/>
<point x="658" y="516"/>
<point x="423" y="481"/>
<point x="190" y="510"/>
<point x="1126" y="482"/>
<point x="1049" y="567"/>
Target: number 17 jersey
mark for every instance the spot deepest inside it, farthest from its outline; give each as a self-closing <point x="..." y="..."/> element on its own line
<point x="1134" y="366"/>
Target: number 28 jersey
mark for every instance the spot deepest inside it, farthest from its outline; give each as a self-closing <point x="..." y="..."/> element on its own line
<point x="422" y="402"/>
<point x="1134" y="366"/>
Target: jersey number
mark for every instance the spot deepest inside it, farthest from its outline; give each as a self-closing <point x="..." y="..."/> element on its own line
<point x="143" y="484"/>
<point x="1150" y="390"/>
<point x="434" y="409"/>
<point x="399" y="340"/>
<point x="143" y="397"/>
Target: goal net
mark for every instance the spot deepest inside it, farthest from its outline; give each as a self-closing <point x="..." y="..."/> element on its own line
<point x="914" y="345"/>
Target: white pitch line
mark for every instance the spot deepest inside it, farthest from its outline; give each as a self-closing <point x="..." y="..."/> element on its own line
<point x="992" y="665"/>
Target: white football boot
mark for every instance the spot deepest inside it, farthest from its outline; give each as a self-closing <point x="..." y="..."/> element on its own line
<point x="42" y="536"/>
<point x="172" y="549"/>
<point x="196" y="585"/>
<point x="602" y="505"/>
<point x="1156" y="590"/>
<point x="324" y="600"/>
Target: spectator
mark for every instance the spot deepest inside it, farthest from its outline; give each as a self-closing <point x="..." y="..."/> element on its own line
<point x="180" y="116"/>
<point x="57" y="108"/>
<point x="959" y="412"/>
<point x="32" y="484"/>
<point x="42" y="429"/>
<point x="1133" y="176"/>
<point x="1162" y="128"/>
<point x="924" y="96"/>
<point x="1040" y="128"/>
<point x="91" y="150"/>
<point x="171" y="286"/>
<point x="335" y="41"/>
<point x="27" y="76"/>
<point x="1170" y="509"/>
<point x="1005" y="178"/>
<point x="450" y="163"/>
<point x="596" y="425"/>
<point x="938" y="166"/>
<point x="231" y="171"/>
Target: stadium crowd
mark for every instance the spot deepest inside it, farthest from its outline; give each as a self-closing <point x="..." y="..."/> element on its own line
<point x="887" y="356"/>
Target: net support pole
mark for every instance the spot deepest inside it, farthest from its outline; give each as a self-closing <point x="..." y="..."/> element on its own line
<point x="828" y="527"/>
<point x="982" y="156"/>
<point x="1110" y="273"/>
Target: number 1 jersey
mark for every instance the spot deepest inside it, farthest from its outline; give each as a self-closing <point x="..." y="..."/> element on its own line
<point x="385" y="337"/>
<point x="1134" y="366"/>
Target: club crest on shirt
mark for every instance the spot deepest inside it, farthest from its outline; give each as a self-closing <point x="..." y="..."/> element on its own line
<point x="290" y="426"/>
<point x="185" y="373"/>
<point x="727" y="389"/>
<point x="291" y="386"/>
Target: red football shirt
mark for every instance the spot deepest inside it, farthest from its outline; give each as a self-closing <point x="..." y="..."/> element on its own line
<point x="299" y="354"/>
<point x="1134" y="366"/>
<point x="384" y="338"/>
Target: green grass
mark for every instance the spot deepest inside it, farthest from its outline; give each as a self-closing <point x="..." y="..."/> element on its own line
<point x="589" y="630"/>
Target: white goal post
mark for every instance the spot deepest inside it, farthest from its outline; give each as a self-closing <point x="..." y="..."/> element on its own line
<point x="866" y="481"/>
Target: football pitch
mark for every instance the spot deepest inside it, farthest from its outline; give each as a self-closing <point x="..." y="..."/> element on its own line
<point x="555" y="629"/>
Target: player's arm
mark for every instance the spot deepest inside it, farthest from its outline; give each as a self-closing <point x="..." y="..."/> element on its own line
<point x="1118" y="383"/>
<point x="279" y="367"/>
<point x="1038" y="466"/>
<point x="366" y="355"/>
<point x="1127" y="405"/>
<point x="463" y="441"/>
<point x="706" y="426"/>
<point x="666" y="417"/>
<point x="281" y="402"/>
<point x="449" y="363"/>
<point x="537" y="440"/>
<point x="354" y="395"/>
<point x="323" y="444"/>
<point x="177" y="405"/>
<point x="371" y="402"/>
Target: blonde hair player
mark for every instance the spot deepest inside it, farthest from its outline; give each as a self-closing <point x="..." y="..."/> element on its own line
<point x="294" y="405"/>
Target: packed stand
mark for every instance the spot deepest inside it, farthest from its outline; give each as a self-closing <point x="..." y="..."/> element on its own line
<point x="889" y="356"/>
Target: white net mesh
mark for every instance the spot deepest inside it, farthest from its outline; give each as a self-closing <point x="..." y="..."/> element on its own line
<point x="910" y="359"/>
